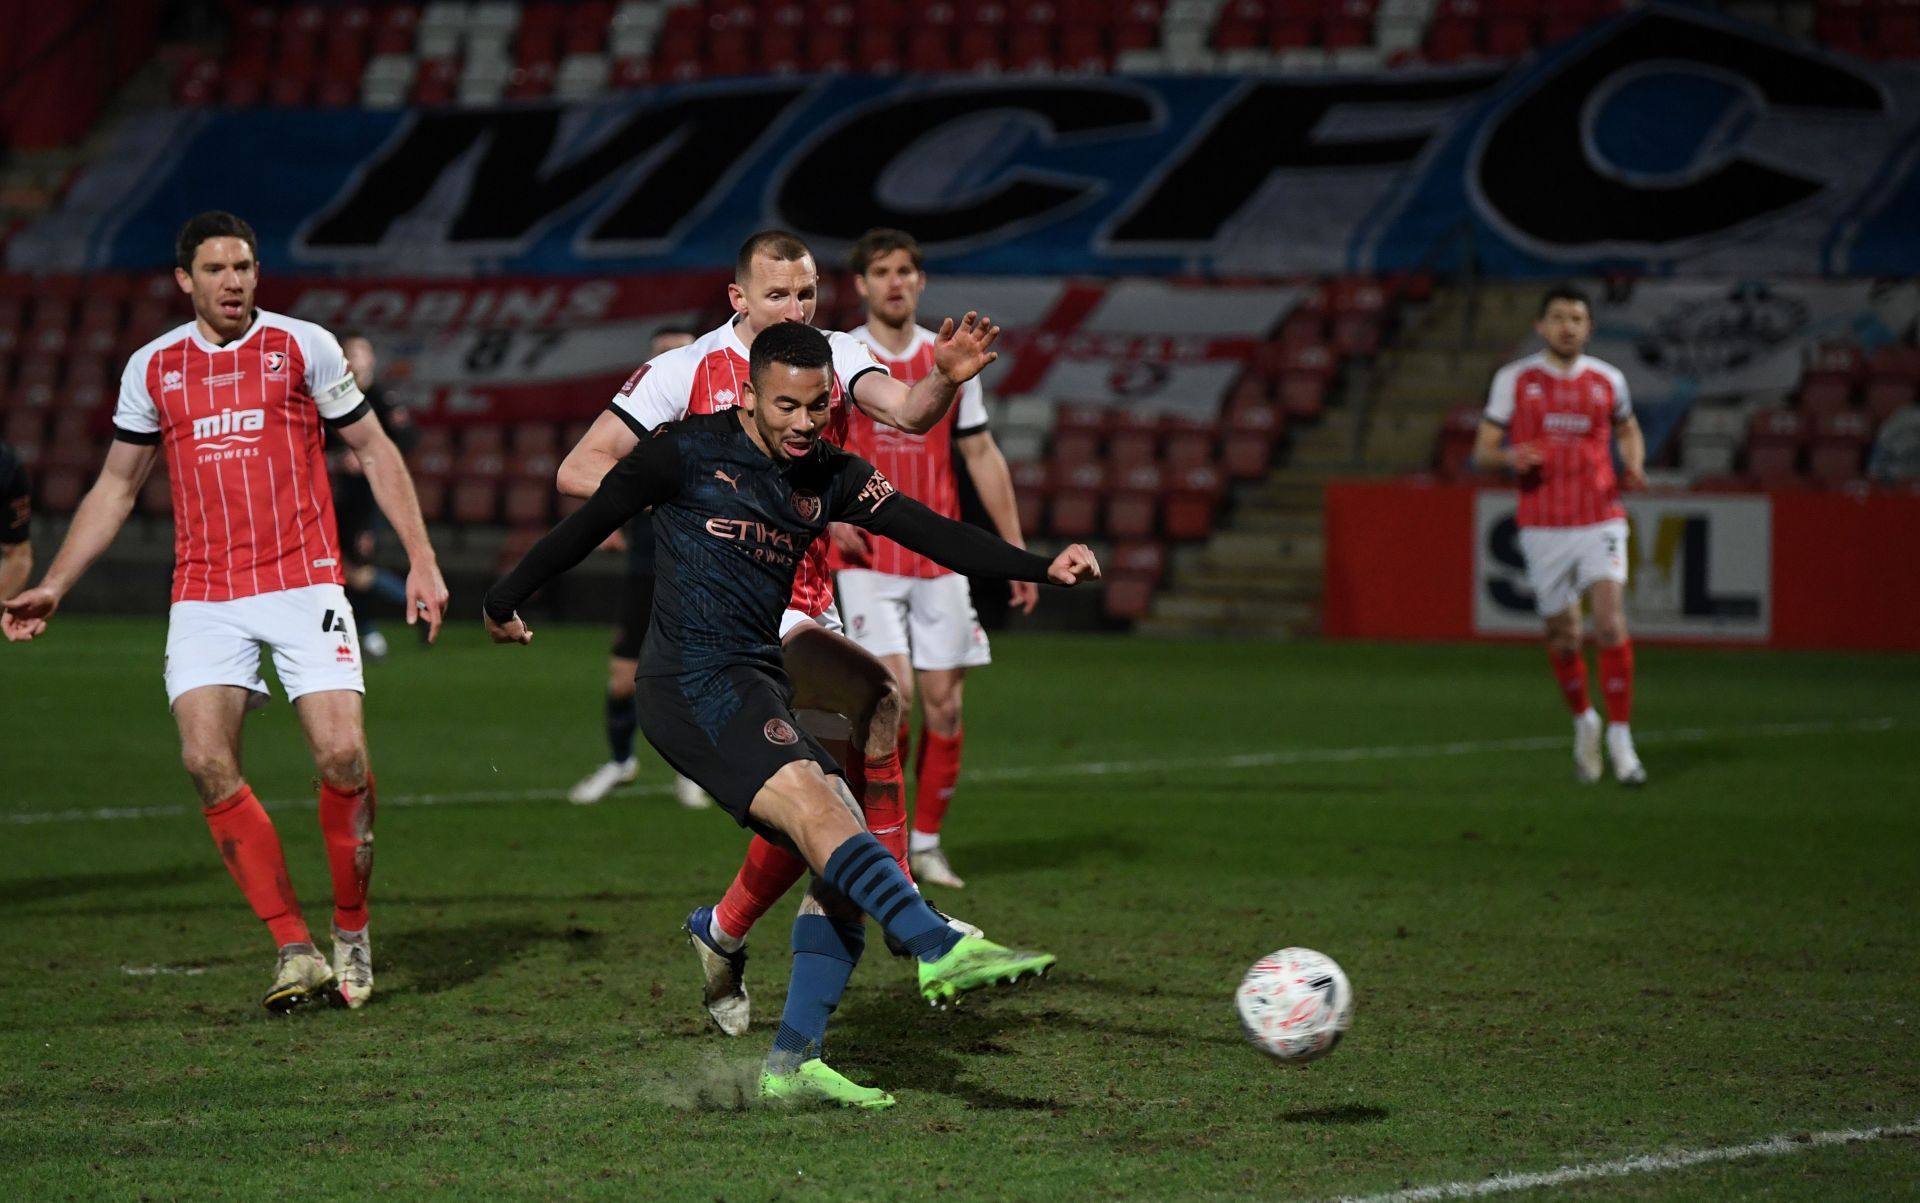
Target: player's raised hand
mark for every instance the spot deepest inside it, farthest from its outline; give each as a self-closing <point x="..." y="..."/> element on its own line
<point x="852" y="542"/>
<point x="27" y="612"/>
<point x="1074" y="565"/>
<point x="1524" y="457"/>
<point x="1026" y="595"/>
<point x="960" y="352"/>
<point x="516" y="630"/>
<point x="426" y="597"/>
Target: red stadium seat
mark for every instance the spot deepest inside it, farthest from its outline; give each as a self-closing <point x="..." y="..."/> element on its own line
<point x="1030" y="494"/>
<point x="432" y="491"/>
<point x="1133" y="503"/>
<point x="1193" y="498"/>
<point x="829" y="49"/>
<point x="1074" y="509"/>
<point x="1886" y="396"/>
<point x="1507" y="38"/>
<point x="61" y="486"/>
<point x="1839" y="446"/>
<point x="930" y="50"/>
<point x="1303" y="397"/>
<point x="1898" y="363"/>
<point x="1188" y="448"/>
<point x="475" y="501"/>
<point x="529" y="502"/>
<point x="1126" y="596"/>
<point x="1146" y="559"/>
<point x="1821" y="393"/>
<point x="1449" y="40"/>
<point x="981" y="48"/>
<point x="1030" y="47"/>
<point x="1083" y="48"/>
<point x="1246" y="448"/>
<point x="483" y="437"/>
<point x="1346" y="35"/>
<point x="1838" y="357"/>
<point x="877" y="49"/>
<point x="780" y="50"/>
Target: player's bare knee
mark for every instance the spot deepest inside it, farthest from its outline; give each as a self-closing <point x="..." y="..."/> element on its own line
<point x="1609" y="630"/>
<point x="342" y="763"/>
<point x="215" y="772"/>
<point x="889" y="711"/>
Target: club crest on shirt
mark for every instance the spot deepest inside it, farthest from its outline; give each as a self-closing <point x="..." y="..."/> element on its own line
<point x="633" y="381"/>
<point x="806" y="504"/>
<point x="276" y="362"/>
<point x="780" y="731"/>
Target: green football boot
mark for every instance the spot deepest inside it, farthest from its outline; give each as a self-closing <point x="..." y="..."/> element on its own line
<point x="975" y="963"/>
<point x="813" y="1082"/>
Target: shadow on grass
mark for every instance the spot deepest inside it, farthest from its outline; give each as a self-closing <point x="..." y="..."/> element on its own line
<point x="314" y="900"/>
<point x="1346" y="1113"/>
<point x="38" y="889"/>
<point x="436" y="959"/>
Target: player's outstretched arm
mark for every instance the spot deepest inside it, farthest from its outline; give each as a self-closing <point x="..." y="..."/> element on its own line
<point x="965" y="549"/>
<point x="647" y="477"/>
<point x="392" y="487"/>
<point x="606" y="443"/>
<point x="960" y="352"/>
<point x="101" y="514"/>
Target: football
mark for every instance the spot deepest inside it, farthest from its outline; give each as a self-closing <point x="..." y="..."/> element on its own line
<point x="1294" y="1005"/>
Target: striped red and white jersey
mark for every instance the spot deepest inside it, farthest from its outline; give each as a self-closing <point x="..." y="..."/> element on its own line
<point x="709" y="375"/>
<point x="1570" y="417"/>
<point x="919" y="465"/>
<point x="240" y="428"/>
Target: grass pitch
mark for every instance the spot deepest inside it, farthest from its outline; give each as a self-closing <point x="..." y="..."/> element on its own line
<point x="1546" y="974"/>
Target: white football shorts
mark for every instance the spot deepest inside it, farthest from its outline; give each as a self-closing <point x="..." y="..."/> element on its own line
<point x="1563" y="562"/>
<point x="929" y="617"/>
<point x="309" y="630"/>
<point x="828" y="618"/>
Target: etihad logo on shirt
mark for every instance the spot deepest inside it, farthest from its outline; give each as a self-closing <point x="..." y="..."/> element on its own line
<point x="230" y="427"/>
<point x="768" y="544"/>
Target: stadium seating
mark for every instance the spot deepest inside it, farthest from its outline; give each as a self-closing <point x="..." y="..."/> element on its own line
<point x="447" y="52"/>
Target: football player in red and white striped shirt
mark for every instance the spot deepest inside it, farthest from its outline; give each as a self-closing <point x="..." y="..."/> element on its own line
<point x="776" y="280"/>
<point x="1559" y="413"/>
<point x="904" y="608"/>
<point x="236" y="400"/>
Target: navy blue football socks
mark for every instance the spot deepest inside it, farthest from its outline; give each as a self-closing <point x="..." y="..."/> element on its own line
<point x="864" y="871"/>
<point x="824" y="954"/>
<point x="622" y="718"/>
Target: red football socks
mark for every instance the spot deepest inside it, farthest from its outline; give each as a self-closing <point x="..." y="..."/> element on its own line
<point x="251" y="848"/>
<point x="1570" y="670"/>
<point x="1616" y="681"/>
<point x="939" y="772"/>
<point x="884" y="802"/>
<point x="346" y="823"/>
<point x="765" y="876"/>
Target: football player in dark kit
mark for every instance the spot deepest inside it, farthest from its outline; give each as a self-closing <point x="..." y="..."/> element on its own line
<point x="737" y="496"/>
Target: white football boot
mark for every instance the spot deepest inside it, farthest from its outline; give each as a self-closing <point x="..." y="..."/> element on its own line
<point x="300" y="979"/>
<point x="1626" y="762"/>
<point x="1586" y="747"/>
<point x="603" y="781"/>
<point x="930" y="867"/>
<point x="689" y="794"/>
<point x="353" y="967"/>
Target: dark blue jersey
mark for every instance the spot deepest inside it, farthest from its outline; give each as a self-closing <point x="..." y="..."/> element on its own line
<point x="16" y="497"/>
<point x="730" y="525"/>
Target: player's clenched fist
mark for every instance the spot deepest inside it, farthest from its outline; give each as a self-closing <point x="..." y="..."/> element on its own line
<point x="515" y="630"/>
<point x="1074" y="565"/>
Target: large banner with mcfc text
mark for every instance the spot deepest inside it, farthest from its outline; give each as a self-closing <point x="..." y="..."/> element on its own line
<point x="1665" y="140"/>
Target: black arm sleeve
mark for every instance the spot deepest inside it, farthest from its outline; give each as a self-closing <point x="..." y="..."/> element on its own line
<point x="649" y="475"/>
<point x="965" y="549"/>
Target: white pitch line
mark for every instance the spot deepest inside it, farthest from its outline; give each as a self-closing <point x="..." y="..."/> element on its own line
<point x="1647" y="1163"/>
<point x="1093" y="768"/>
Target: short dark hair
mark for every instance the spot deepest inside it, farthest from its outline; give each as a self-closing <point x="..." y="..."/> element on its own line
<point x="778" y="244"/>
<point x="214" y="223"/>
<point x="1566" y="291"/>
<point x="795" y="344"/>
<point x="883" y="241"/>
